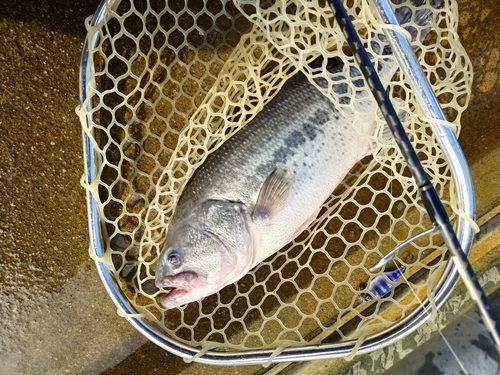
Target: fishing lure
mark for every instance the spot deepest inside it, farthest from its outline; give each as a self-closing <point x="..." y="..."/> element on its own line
<point x="382" y="285"/>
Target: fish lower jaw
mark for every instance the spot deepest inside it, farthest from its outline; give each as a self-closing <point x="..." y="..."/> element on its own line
<point x="169" y="299"/>
<point x="170" y="290"/>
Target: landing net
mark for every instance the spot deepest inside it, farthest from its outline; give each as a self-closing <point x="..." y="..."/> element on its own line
<point x="169" y="82"/>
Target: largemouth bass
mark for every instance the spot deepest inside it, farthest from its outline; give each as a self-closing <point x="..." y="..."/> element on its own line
<point x="259" y="190"/>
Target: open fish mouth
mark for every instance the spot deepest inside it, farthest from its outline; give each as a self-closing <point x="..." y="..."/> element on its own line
<point x="168" y="286"/>
<point x="178" y="288"/>
<point x="180" y="281"/>
<point x="170" y="299"/>
<point x="173" y="291"/>
<point x="170" y="291"/>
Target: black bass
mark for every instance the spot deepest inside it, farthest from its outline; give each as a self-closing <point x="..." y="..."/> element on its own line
<point x="258" y="191"/>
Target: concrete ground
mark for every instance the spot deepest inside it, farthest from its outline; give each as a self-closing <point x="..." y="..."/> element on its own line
<point x="55" y="316"/>
<point x="468" y="339"/>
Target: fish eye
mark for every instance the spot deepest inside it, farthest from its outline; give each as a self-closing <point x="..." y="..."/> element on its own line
<point x="174" y="258"/>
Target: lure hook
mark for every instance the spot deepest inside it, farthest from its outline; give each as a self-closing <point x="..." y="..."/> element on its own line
<point x="391" y="255"/>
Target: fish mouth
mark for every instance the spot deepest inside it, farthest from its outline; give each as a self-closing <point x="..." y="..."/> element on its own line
<point x="172" y="292"/>
<point x="175" y="286"/>
<point x="170" y="299"/>
<point x="181" y="280"/>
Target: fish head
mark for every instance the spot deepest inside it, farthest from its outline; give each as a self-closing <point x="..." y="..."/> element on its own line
<point x="209" y="249"/>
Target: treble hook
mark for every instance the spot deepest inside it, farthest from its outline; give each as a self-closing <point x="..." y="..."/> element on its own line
<point x="391" y="255"/>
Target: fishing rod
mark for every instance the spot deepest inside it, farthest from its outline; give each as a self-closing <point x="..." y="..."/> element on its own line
<point x="428" y="194"/>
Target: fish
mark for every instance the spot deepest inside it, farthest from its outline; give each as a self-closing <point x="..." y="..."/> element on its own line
<point x="260" y="189"/>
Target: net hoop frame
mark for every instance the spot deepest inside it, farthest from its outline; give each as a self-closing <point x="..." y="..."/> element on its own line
<point x="465" y="198"/>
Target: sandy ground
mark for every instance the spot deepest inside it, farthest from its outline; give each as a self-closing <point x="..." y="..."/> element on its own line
<point x="56" y="317"/>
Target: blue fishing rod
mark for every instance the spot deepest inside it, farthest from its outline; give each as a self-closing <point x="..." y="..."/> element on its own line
<point x="428" y="194"/>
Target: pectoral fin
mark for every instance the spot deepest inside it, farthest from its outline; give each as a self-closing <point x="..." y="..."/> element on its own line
<point x="274" y="194"/>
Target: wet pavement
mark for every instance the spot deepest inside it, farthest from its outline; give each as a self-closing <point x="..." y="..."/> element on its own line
<point x="56" y="316"/>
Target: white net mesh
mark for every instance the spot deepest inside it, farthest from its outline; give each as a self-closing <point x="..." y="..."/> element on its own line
<point x="172" y="80"/>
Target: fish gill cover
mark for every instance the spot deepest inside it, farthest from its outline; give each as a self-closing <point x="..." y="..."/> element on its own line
<point x="172" y="80"/>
